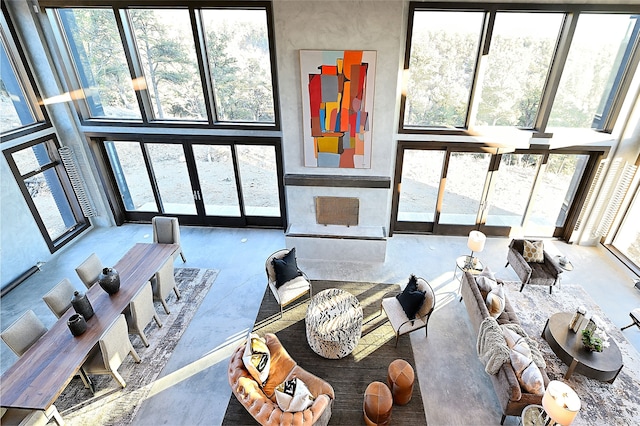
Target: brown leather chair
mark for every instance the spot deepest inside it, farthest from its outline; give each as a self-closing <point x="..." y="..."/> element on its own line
<point x="261" y="403"/>
<point x="400" y="378"/>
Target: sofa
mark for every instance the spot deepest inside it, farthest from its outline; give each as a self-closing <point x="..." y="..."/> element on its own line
<point x="512" y="398"/>
<point x="260" y="401"/>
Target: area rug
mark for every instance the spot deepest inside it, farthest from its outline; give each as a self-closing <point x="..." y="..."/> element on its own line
<point x="602" y="403"/>
<point x="351" y="375"/>
<point x="112" y="405"/>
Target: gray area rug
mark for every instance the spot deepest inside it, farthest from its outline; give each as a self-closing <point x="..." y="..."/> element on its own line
<point x="602" y="403"/>
<point x="351" y="375"/>
<point x="112" y="405"/>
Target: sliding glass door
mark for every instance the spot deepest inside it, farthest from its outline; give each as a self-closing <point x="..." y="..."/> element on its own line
<point x="448" y="191"/>
<point x="221" y="184"/>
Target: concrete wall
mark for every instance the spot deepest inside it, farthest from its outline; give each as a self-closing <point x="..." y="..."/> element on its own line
<point x="340" y="25"/>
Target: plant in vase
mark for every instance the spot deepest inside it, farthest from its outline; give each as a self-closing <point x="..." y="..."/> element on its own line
<point x="594" y="336"/>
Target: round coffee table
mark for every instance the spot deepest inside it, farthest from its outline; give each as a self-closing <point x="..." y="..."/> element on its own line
<point x="333" y="323"/>
<point x="603" y="366"/>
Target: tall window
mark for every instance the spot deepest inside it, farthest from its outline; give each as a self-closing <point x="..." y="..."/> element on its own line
<point x="46" y="188"/>
<point x="183" y="64"/>
<point x="17" y="97"/>
<point x="470" y="66"/>
<point x="627" y="238"/>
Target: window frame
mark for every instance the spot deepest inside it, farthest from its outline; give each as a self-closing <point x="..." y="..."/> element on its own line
<point x="25" y="78"/>
<point x="143" y="99"/>
<point x="554" y="73"/>
<point x="52" y="144"/>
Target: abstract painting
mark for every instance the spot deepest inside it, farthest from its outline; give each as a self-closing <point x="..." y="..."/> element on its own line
<point x="337" y="107"/>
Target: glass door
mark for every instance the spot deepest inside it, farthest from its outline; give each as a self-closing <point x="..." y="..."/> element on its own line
<point x="203" y="184"/>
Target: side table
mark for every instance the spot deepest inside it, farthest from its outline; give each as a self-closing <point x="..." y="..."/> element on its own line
<point x="464" y="264"/>
<point x="533" y="415"/>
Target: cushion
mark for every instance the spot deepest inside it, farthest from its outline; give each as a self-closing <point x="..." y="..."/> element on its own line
<point x="286" y="268"/>
<point x="495" y="301"/>
<point x="293" y="395"/>
<point x="256" y="358"/>
<point x="516" y="342"/>
<point x="411" y="298"/>
<point x="533" y="251"/>
<point x="528" y="373"/>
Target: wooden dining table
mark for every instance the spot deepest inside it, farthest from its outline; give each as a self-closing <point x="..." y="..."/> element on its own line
<point x="38" y="377"/>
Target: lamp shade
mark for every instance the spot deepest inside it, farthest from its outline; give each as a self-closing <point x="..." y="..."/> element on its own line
<point x="476" y="241"/>
<point x="561" y="402"/>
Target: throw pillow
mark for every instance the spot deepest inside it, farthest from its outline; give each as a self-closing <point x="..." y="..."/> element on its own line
<point x="293" y="395"/>
<point x="495" y="301"/>
<point x="485" y="284"/>
<point x="517" y="342"/>
<point x="256" y="358"/>
<point x="286" y="268"/>
<point x="411" y="298"/>
<point x="533" y="251"/>
<point x="528" y="373"/>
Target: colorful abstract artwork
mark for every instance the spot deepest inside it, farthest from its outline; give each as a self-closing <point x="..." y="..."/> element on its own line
<point x="337" y="106"/>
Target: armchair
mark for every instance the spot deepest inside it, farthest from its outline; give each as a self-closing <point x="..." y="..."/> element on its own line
<point x="292" y="289"/>
<point x="533" y="273"/>
<point x="260" y="401"/>
<point x="400" y="323"/>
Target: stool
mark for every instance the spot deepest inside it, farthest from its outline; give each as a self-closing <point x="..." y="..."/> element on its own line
<point x="377" y="404"/>
<point x="635" y="316"/>
<point x="400" y="378"/>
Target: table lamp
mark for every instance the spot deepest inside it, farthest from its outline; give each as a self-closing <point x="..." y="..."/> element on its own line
<point x="561" y="403"/>
<point x="476" y="244"/>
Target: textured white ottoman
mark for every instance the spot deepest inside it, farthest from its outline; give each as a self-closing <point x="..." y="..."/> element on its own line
<point x="333" y="323"/>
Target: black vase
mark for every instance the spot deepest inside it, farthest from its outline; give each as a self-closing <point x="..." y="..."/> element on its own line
<point x="81" y="304"/>
<point x="77" y="324"/>
<point x="109" y="280"/>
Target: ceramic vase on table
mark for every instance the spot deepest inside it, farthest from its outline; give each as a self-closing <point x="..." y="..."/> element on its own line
<point x="77" y="324"/>
<point x="109" y="280"/>
<point x="81" y="304"/>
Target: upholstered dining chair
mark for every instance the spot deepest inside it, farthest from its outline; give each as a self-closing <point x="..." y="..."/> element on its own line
<point x="284" y="290"/>
<point x="166" y="230"/>
<point x="399" y="320"/>
<point x="545" y="272"/>
<point x="58" y="299"/>
<point x="141" y="312"/>
<point x="89" y="270"/>
<point x="24" y="417"/>
<point x="163" y="283"/>
<point x="23" y="333"/>
<point x="113" y="348"/>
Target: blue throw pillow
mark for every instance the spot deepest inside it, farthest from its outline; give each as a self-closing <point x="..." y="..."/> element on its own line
<point x="286" y="268"/>
<point x="411" y="299"/>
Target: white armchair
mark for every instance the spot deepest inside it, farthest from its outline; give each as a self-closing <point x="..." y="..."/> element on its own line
<point x="292" y="289"/>
<point x="399" y="320"/>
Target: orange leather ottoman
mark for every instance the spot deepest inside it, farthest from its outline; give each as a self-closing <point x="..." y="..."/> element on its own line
<point x="400" y="378"/>
<point x="377" y="405"/>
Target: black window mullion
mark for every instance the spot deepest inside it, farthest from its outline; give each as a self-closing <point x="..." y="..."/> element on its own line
<point x="200" y="44"/>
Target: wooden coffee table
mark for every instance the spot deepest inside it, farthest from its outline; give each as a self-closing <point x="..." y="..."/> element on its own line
<point x="603" y="366"/>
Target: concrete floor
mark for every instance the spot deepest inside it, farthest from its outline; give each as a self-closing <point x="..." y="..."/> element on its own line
<point x="193" y="387"/>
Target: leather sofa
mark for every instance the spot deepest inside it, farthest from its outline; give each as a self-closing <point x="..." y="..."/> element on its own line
<point x="512" y="398"/>
<point x="261" y="403"/>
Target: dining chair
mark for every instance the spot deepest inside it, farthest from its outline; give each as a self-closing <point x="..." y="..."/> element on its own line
<point x="113" y="348"/>
<point x="58" y="299"/>
<point x="166" y="230"/>
<point x="141" y="312"/>
<point x="25" y="417"/>
<point x="163" y="283"/>
<point x="89" y="270"/>
<point x="23" y="333"/>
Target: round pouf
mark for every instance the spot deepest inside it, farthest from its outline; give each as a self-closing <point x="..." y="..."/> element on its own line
<point x="333" y="323"/>
<point x="400" y="378"/>
<point x="377" y="404"/>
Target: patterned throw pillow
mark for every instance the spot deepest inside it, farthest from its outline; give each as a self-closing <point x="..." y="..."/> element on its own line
<point x="528" y="373"/>
<point x="256" y="358"/>
<point x="495" y="301"/>
<point x="293" y="395"/>
<point x="533" y="251"/>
